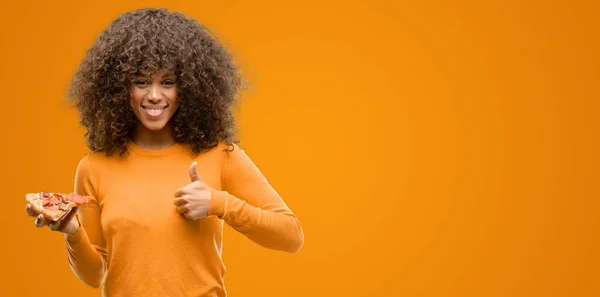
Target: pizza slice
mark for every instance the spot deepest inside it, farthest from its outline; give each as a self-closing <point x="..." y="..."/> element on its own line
<point x="54" y="206"/>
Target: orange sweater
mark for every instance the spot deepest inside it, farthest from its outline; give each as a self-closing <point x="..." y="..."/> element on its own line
<point x="133" y="241"/>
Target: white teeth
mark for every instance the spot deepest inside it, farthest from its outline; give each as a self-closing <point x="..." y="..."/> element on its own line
<point x="154" y="111"/>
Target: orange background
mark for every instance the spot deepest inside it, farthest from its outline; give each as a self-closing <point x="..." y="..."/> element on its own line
<point x="430" y="148"/>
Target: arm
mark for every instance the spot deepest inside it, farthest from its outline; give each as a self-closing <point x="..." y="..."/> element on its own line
<point x="86" y="247"/>
<point x="252" y="207"/>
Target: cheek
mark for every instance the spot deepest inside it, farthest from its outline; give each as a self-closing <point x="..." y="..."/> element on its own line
<point x="135" y="98"/>
<point x="173" y="100"/>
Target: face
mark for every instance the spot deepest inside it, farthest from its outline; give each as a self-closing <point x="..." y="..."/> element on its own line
<point x="154" y="99"/>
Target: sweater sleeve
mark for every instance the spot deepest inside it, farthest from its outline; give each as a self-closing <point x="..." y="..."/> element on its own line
<point x="87" y="248"/>
<point x="251" y="206"/>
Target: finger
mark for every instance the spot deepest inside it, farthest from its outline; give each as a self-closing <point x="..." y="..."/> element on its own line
<point x="183" y="208"/>
<point x="193" y="172"/>
<point x="179" y="201"/>
<point x="60" y="224"/>
<point x="179" y="192"/>
<point x="54" y="226"/>
<point x="40" y="221"/>
<point x="30" y="211"/>
<point x="71" y="214"/>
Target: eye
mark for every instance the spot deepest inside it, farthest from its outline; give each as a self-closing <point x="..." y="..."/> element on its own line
<point x="141" y="83"/>
<point x="169" y="83"/>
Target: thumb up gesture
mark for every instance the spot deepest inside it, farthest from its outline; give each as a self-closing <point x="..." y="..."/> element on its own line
<point x="193" y="200"/>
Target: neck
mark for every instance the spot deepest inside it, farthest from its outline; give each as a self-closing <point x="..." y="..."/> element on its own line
<point x="153" y="140"/>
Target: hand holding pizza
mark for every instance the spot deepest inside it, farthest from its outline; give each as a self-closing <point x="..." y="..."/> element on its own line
<point x="193" y="200"/>
<point x="55" y="210"/>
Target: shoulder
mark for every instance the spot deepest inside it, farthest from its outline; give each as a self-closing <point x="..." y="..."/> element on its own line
<point x="224" y="149"/>
<point x="231" y="151"/>
<point x="84" y="164"/>
<point x="94" y="158"/>
<point x="228" y="154"/>
<point x="236" y="158"/>
<point x="93" y="161"/>
<point x="228" y="147"/>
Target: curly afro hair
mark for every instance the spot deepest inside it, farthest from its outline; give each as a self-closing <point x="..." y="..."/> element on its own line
<point x="148" y="40"/>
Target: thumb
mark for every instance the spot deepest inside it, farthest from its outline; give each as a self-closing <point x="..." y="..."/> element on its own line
<point x="193" y="172"/>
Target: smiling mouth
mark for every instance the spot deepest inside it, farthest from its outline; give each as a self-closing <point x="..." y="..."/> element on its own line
<point x="154" y="111"/>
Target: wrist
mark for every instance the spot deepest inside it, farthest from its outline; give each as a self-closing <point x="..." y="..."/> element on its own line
<point x="73" y="226"/>
<point x="218" y="203"/>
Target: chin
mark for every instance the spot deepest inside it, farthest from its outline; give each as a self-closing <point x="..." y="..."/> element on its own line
<point x="154" y="126"/>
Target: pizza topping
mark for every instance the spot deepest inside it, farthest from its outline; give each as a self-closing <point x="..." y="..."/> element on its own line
<point x="51" y="198"/>
<point x="55" y="205"/>
<point x="47" y="196"/>
<point x="76" y="198"/>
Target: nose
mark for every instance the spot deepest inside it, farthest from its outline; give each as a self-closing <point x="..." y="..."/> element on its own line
<point x="154" y="93"/>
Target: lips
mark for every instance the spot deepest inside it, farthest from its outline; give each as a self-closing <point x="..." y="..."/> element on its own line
<point x="154" y="111"/>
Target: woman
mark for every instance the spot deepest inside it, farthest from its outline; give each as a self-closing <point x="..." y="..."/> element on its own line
<point x="165" y="173"/>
